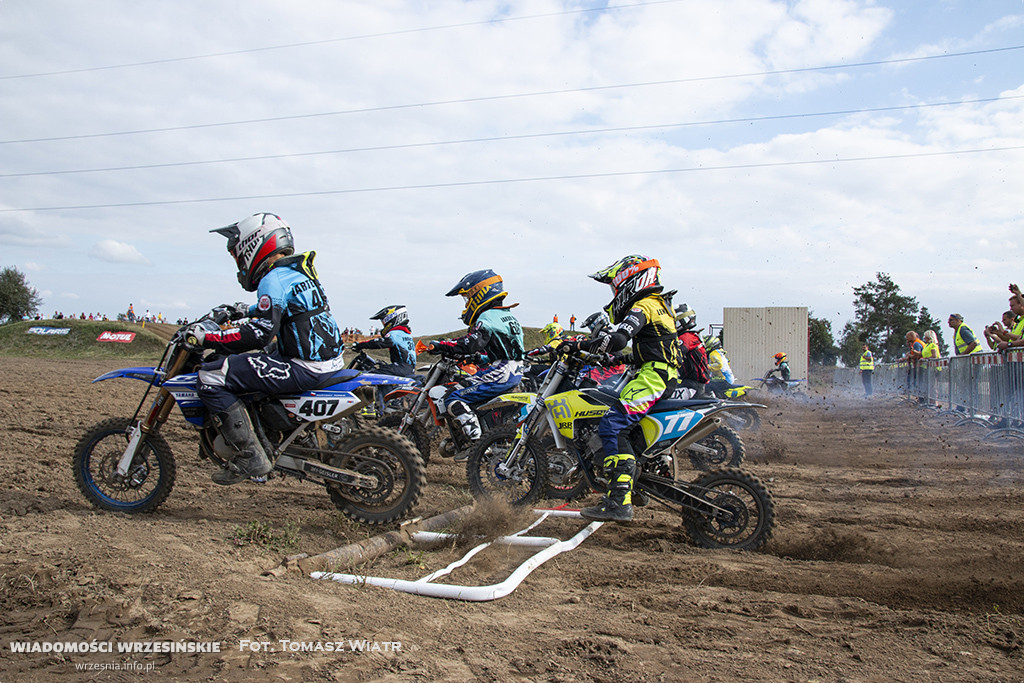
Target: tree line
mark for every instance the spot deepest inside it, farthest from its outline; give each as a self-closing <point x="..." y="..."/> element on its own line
<point x="882" y="318"/>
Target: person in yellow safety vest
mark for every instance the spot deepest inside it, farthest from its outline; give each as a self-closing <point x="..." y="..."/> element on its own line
<point x="931" y="345"/>
<point x="867" y="367"/>
<point x="963" y="337"/>
<point x="1001" y="331"/>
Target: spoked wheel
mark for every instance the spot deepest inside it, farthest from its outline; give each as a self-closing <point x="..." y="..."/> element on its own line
<point x="743" y="418"/>
<point x="416" y="433"/>
<point x="566" y="480"/>
<point x="720" y="448"/>
<point x="388" y="458"/>
<point x="522" y="483"/>
<point x="150" y="476"/>
<point x="740" y="513"/>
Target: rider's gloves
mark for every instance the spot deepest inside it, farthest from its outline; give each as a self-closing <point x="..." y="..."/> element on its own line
<point x="195" y="335"/>
<point x="358" y="346"/>
<point x="568" y="346"/>
<point x="238" y="310"/>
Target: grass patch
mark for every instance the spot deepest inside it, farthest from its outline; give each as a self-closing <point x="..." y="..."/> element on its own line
<point x="79" y="342"/>
<point x="255" y="532"/>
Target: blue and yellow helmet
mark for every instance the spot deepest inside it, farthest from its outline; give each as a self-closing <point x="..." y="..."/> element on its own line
<point x="481" y="290"/>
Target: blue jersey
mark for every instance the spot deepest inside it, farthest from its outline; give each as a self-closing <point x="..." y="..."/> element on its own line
<point x="399" y="343"/>
<point x="292" y="306"/>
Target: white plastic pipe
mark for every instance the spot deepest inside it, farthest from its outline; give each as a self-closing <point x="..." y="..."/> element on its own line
<point x="468" y="593"/>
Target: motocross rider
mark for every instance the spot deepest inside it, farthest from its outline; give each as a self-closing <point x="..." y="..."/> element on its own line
<point x="396" y="337"/>
<point x="291" y="305"/>
<point x="643" y="317"/>
<point x="494" y="332"/>
<point x="781" y="366"/>
<point x="694" y="374"/>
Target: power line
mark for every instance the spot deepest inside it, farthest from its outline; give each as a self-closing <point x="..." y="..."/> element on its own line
<point x="492" y="98"/>
<point x="505" y="138"/>
<point x="327" y="41"/>
<point x="505" y="181"/>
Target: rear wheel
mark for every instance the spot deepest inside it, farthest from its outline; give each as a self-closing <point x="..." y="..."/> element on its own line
<point x="739" y="514"/>
<point x="721" y="448"/>
<point x="522" y="483"/>
<point x="143" y="488"/>
<point x="743" y="418"/>
<point x="392" y="461"/>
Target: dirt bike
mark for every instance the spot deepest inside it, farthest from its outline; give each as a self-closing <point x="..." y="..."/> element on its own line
<point x="366" y="363"/>
<point x="776" y="385"/>
<point x="372" y="475"/>
<point x="741" y="418"/>
<point x="723" y="508"/>
<point x="419" y="418"/>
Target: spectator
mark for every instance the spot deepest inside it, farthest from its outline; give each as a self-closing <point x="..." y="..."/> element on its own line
<point x="914" y="353"/>
<point x="963" y="336"/>
<point x="572" y="322"/>
<point x="867" y="368"/>
<point x="931" y="345"/>
<point x="999" y="331"/>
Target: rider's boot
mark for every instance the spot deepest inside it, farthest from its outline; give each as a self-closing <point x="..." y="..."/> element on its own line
<point x="617" y="505"/>
<point x="251" y="460"/>
<point x="467" y="421"/>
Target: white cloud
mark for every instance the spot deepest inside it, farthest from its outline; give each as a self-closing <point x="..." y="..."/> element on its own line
<point x="113" y="251"/>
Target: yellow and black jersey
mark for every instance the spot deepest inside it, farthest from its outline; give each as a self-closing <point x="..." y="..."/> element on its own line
<point x="651" y="327"/>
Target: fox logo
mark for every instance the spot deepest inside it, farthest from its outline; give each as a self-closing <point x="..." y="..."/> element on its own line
<point x="270" y="369"/>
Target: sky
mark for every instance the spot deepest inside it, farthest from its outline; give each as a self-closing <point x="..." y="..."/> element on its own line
<point x="767" y="153"/>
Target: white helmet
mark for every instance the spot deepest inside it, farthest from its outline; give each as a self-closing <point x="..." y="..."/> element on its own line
<point x="252" y="241"/>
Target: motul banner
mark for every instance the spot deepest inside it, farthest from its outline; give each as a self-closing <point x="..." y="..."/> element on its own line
<point x="123" y="337"/>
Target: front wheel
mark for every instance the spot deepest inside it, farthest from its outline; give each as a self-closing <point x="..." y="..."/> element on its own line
<point x="143" y="488"/>
<point x="392" y="461"/>
<point x="521" y="483"/>
<point x="418" y="435"/>
<point x="721" y="448"/>
<point x="739" y="513"/>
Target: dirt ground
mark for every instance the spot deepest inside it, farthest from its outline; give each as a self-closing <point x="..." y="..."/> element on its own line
<point x="898" y="555"/>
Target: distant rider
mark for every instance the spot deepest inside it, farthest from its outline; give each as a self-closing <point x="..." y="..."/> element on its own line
<point x="291" y="306"/>
<point x="781" y="366"/>
<point x="396" y="337"/>
<point x="493" y="332"/>
<point x="640" y="316"/>
<point x="693" y="373"/>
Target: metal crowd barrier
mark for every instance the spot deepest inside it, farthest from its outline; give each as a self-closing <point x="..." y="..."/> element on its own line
<point x="984" y="388"/>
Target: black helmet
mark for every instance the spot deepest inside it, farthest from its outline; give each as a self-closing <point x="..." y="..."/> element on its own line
<point x="391" y="317"/>
<point x="631" y="278"/>
<point x="252" y="241"/>
<point x="481" y="290"/>
<point x="686" y="318"/>
<point x="596" y="322"/>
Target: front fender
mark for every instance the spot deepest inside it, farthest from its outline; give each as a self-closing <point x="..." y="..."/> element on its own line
<point x="148" y="375"/>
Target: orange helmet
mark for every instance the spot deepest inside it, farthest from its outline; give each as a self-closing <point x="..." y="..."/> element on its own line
<point x="779" y="357"/>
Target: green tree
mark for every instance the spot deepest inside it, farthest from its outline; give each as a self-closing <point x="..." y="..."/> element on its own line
<point x="925" y="321"/>
<point x="820" y="342"/>
<point x="17" y="298"/>
<point x="882" y="318"/>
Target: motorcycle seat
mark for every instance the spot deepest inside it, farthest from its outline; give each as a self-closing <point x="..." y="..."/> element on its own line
<point x="683" y="404"/>
<point x="337" y="378"/>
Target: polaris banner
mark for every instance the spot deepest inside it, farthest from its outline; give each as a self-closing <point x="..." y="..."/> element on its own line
<point x="48" y="330"/>
<point x="123" y="337"/>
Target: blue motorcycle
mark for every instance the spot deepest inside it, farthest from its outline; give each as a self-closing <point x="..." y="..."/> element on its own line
<point x="372" y="475"/>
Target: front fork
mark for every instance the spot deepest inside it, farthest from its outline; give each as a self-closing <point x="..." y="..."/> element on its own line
<point x="157" y="415"/>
